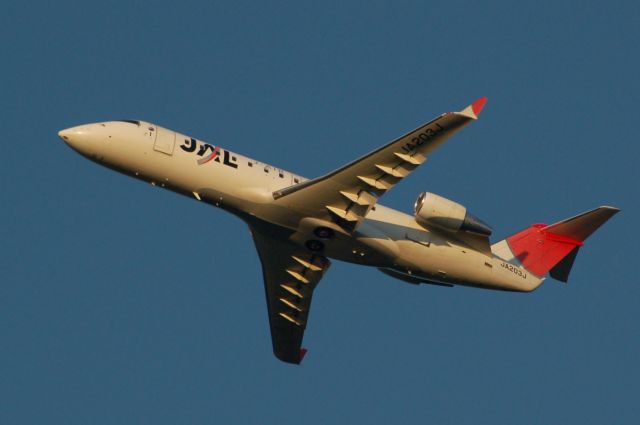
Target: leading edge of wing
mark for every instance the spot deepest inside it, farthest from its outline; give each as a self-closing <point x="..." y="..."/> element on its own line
<point x="472" y="111"/>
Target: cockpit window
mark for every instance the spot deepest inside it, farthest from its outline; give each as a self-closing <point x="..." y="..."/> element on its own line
<point x="136" y="122"/>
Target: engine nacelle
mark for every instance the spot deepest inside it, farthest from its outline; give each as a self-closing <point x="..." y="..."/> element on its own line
<point x="433" y="210"/>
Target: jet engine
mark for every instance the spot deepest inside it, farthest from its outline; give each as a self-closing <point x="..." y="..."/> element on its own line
<point x="433" y="210"/>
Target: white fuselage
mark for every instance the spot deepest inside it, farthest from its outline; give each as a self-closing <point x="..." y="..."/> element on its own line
<point x="388" y="239"/>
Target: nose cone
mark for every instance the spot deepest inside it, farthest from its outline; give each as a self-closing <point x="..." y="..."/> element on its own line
<point x="84" y="139"/>
<point x="65" y="135"/>
<point x="74" y="135"/>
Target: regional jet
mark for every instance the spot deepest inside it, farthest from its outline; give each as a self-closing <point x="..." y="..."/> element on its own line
<point x="298" y="224"/>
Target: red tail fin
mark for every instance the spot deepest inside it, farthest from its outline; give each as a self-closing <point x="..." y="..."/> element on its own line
<point x="553" y="248"/>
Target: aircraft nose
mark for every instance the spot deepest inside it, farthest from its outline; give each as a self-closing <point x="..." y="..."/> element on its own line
<point x="75" y="136"/>
<point x="64" y="134"/>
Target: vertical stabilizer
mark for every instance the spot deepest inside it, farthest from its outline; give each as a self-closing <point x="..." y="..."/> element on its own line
<point x="552" y="248"/>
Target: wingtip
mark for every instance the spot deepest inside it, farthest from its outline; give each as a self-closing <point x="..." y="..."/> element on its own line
<point x="473" y="111"/>
<point x="615" y="210"/>
<point x="303" y="352"/>
<point x="478" y="105"/>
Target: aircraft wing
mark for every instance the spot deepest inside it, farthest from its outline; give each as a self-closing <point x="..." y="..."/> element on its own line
<point x="347" y="194"/>
<point x="290" y="275"/>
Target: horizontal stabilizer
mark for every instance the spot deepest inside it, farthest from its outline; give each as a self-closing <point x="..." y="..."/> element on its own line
<point x="583" y="225"/>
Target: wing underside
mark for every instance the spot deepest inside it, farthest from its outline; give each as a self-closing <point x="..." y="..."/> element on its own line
<point x="290" y="275"/>
<point x="346" y="195"/>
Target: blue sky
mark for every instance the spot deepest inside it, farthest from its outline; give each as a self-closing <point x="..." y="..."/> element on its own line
<point x="121" y="303"/>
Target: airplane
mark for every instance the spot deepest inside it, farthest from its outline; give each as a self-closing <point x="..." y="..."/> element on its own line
<point x="299" y="224"/>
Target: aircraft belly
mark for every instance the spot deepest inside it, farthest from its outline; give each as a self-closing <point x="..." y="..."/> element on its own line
<point x="441" y="261"/>
<point x="366" y="251"/>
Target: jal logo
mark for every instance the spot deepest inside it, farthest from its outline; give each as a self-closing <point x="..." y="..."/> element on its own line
<point x="208" y="153"/>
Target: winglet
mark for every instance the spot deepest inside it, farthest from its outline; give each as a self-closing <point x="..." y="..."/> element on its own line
<point x="473" y="110"/>
<point x="478" y="105"/>
<point x="303" y="352"/>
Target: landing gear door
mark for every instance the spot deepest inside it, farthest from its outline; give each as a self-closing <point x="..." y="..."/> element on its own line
<point x="165" y="140"/>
